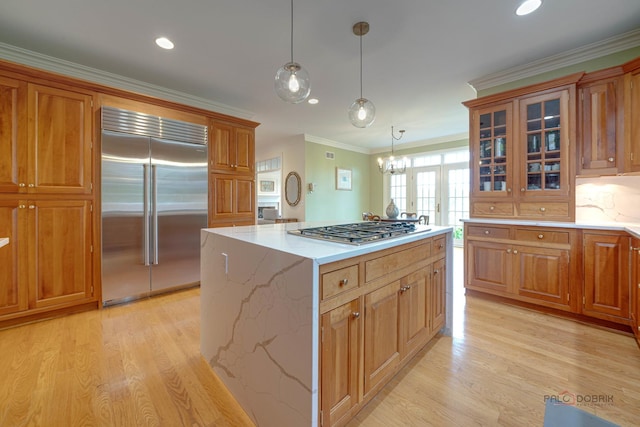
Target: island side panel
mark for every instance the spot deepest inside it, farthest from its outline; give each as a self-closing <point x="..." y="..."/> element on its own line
<point x="448" y="326"/>
<point x="259" y="323"/>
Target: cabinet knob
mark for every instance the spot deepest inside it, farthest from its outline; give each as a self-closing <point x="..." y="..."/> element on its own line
<point x="486" y="232"/>
<point x="508" y="190"/>
<point x="540" y="236"/>
<point x="543" y="209"/>
<point x="440" y="246"/>
<point x="32" y="206"/>
<point x="22" y="206"/>
<point x="611" y="159"/>
<point x="492" y="208"/>
<point x="522" y="189"/>
<point x="355" y="314"/>
<point x="22" y="184"/>
<point x="515" y="251"/>
<point x="31" y="185"/>
<point x="436" y="271"/>
<point x="508" y="251"/>
<point x="344" y="282"/>
<point x="405" y="288"/>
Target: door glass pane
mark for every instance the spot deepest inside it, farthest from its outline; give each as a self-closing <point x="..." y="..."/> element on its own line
<point x="543" y="146"/>
<point x="426" y="194"/>
<point x="493" y="151"/>
<point x="398" y="191"/>
<point x="458" y="200"/>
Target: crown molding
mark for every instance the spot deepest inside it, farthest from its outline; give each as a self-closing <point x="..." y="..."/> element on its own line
<point x="71" y="69"/>
<point x="424" y="142"/>
<point x="585" y="53"/>
<point x="331" y="143"/>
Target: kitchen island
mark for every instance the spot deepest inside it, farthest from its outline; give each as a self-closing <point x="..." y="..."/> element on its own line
<point x="268" y="299"/>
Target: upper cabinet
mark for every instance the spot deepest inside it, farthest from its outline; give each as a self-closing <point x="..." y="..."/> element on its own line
<point x="601" y="123"/>
<point x="232" y="148"/>
<point x="521" y="144"/>
<point x="632" y="116"/>
<point x="50" y="152"/>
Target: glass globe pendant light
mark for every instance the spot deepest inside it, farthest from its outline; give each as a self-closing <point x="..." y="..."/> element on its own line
<point x="362" y="112"/>
<point x="292" y="81"/>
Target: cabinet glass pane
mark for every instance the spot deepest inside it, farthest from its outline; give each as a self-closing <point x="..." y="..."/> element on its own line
<point x="544" y="156"/>
<point x="493" y="151"/>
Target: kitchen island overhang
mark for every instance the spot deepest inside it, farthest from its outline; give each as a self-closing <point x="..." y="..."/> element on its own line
<point x="260" y="301"/>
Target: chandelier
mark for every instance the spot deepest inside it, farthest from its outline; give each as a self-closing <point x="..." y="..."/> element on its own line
<point x="389" y="164"/>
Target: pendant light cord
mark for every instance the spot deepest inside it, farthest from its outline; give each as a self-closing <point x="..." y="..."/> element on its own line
<point x="291" y="30"/>
<point x="360" y="60"/>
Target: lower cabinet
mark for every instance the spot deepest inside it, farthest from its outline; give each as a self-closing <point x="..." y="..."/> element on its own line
<point x="381" y="324"/>
<point x="606" y="275"/>
<point x="48" y="260"/>
<point x="542" y="273"/>
<point x="635" y="288"/>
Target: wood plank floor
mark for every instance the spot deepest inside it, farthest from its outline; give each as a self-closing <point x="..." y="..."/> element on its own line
<point x="139" y="364"/>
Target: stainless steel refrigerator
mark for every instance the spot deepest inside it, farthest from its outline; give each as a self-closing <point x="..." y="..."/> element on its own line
<point x="154" y="203"/>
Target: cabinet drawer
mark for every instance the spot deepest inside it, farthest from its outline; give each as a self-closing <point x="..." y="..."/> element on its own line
<point x="339" y="281"/>
<point x="488" y="231"/>
<point x="546" y="236"/>
<point x="439" y="246"/>
<point x="544" y="209"/>
<point x="386" y="264"/>
<point x="490" y="208"/>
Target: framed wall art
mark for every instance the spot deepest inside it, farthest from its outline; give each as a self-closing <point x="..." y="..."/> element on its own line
<point x="343" y="179"/>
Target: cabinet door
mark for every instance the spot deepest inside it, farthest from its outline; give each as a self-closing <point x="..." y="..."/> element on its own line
<point x="635" y="288"/>
<point x="13" y="155"/>
<point x="491" y="151"/>
<point x="601" y="121"/>
<point x="13" y="291"/>
<point x="488" y="266"/>
<point x="340" y="361"/>
<point x="59" y="141"/>
<point x="437" y="297"/>
<point x="59" y="252"/>
<point x="231" y="198"/>
<point x="232" y="149"/>
<point x="381" y="346"/>
<point x="606" y="276"/>
<point x="414" y="315"/>
<point x="245" y="150"/>
<point x="632" y="122"/>
<point x="544" y="145"/>
<point x="542" y="274"/>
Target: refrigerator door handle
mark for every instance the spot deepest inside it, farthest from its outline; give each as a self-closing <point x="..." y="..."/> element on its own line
<point x="145" y="203"/>
<point x="154" y="212"/>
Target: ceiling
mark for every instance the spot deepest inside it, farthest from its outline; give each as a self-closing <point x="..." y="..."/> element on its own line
<point x="417" y="58"/>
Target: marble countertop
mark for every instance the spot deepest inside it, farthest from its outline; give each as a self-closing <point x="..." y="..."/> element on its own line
<point x="4" y="241"/>
<point x="633" y="229"/>
<point x="275" y="236"/>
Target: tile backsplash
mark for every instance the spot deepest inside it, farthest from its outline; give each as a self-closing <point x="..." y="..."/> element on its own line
<point x="608" y="199"/>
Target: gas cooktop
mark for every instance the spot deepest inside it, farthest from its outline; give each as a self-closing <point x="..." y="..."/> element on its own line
<point x="359" y="232"/>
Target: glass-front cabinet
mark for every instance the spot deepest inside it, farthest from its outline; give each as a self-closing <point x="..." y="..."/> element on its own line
<point x="544" y="144"/>
<point x="493" y="150"/>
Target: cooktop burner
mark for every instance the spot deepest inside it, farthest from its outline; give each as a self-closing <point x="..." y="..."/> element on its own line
<point x="359" y="232"/>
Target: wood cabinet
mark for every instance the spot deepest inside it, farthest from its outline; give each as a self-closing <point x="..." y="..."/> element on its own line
<point x="377" y="311"/>
<point x="13" y="152"/>
<point x="231" y="200"/>
<point x="632" y="116"/>
<point x="340" y="361"/>
<point x="600" y="150"/>
<point x="606" y="275"/>
<point x="48" y="260"/>
<point x="232" y="149"/>
<point x="635" y="287"/>
<point x="520" y="144"/>
<point x="532" y="264"/>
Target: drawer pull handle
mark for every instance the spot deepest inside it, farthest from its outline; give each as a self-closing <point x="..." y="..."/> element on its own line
<point x="343" y="282"/>
<point x="355" y="314"/>
<point x="486" y="232"/>
<point x="635" y="249"/>
<point x="540" y="236"/>
<point x="543" y="209"/>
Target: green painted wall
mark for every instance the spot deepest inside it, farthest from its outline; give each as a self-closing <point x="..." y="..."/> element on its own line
<point x="587" y="66"/>
<point x="327" y="203"/>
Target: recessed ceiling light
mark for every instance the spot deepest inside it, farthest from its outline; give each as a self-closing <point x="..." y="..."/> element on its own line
<point x="164" y="43"/>
<point x="527" y="7"/>
<point x="312" y="101"/>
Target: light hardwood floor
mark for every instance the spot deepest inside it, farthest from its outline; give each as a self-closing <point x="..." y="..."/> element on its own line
<point x="139" y="364"/>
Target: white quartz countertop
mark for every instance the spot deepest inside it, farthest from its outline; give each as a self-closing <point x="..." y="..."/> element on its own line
<point x="633" y="229"/>
<point x="4" y="241"/>
<point x="275" y="236"/>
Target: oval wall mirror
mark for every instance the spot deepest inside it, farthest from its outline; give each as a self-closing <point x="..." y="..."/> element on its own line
<point x="292" y="188"/>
